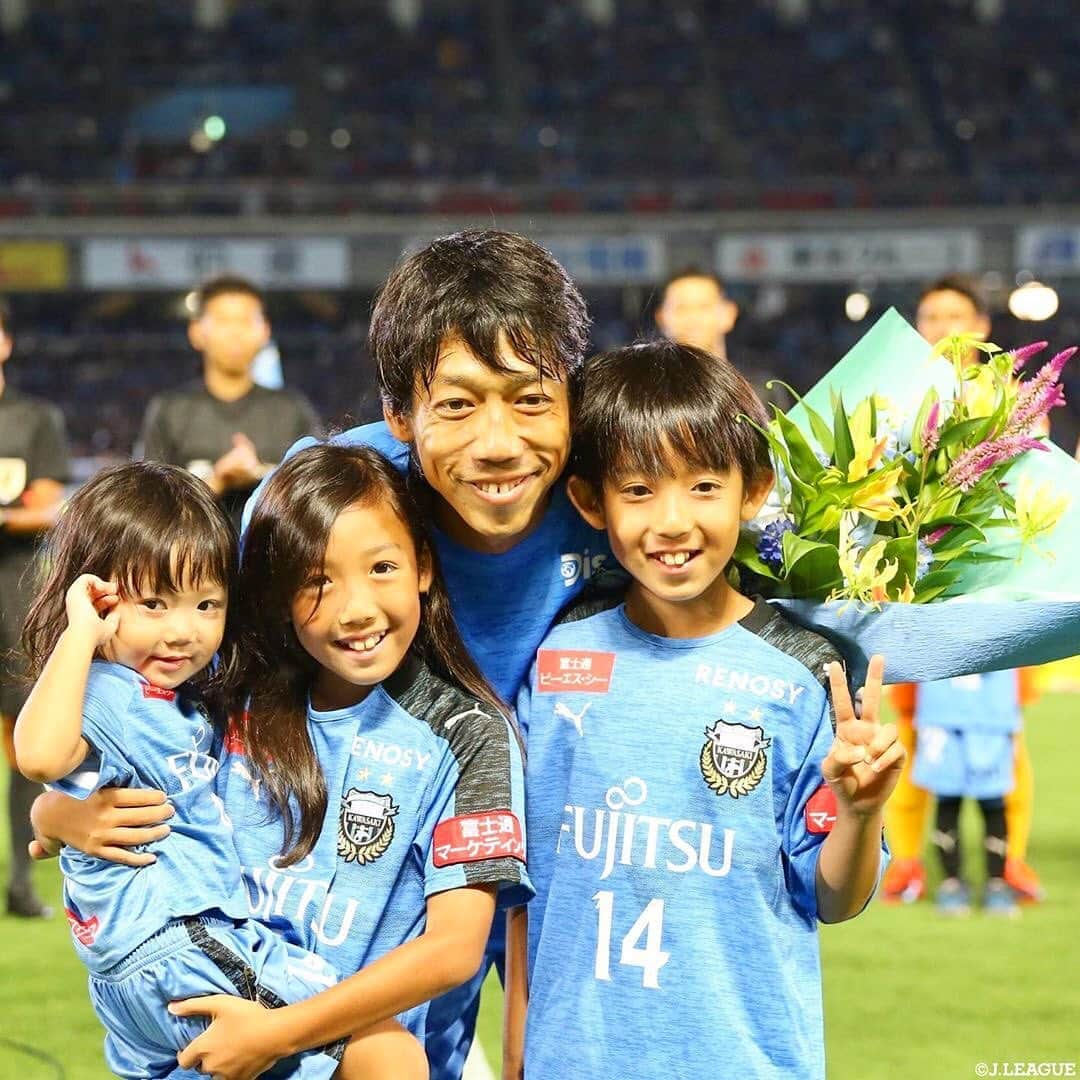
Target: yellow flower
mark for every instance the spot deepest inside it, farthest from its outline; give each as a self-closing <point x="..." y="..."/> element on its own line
<point x="980" y="393"/>
<point x="878" y="498"/>
<point x="866" y="574"/>
<point x="868" y="449"/>
<point x="1038" y="509"/>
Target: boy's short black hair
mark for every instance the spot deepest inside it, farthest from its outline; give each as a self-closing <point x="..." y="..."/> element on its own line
<point x="644" y="403"/>
<point x="5" y="317"/>
<point x="226" y="285"/>
<point x="690" y="272"/>
<point x="475" y="285"/>
<point x="957" y="283"/>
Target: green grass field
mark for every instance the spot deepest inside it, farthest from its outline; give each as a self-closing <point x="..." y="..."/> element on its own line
<point x="907" y="995"/>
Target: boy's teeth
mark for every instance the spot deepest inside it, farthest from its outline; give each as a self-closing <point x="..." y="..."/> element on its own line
<point x="674" y="559"/>
<point x="498" y="489"/>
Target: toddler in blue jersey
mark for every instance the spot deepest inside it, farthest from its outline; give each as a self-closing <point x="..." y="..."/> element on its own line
<point x="700" y="793"/>
<point x="375" y="787"/>
<point x="966" y="748"/>
<point x="140" y="572"/>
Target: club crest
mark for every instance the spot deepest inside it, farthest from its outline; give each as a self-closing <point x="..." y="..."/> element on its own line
<point x="12" y="479"/>
<point x="366" y="826"/>
<point x="733" y="758"/>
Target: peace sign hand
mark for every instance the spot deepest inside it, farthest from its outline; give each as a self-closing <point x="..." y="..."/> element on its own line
<point x="864" y="762"/>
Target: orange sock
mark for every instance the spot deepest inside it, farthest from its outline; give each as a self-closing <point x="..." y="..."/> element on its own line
<point x="1020" y="802"/>
<point x="905" y="812"/>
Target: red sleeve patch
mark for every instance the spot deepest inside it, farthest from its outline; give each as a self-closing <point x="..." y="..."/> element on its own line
<point x="234" y="737"/>
<point x="821" y="810"/>
<point x="563" y="671"/>
<point x="476" y="837"/>
<point x="159" y="692"/>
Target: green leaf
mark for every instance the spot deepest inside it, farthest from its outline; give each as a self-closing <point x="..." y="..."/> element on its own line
<point x="904" y="550"/>
<point x="949" y="555"/>
<point x="843" y="446"/>
<point x="957" y="537"/>
<point x="967" y="433"/>
<point x="800" y="490"/>
<point x="965" y="529"/>
<point x="935" y="579"/>
<point x="803" y="458"/>
<point x="987" y="557"/>
<point x="817" y="423"/>
<point x="746" y="554"/>
<point x="926" y="595"/>
<point x="812" y="569"/>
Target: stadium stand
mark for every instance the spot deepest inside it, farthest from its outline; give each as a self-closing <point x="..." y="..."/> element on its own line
<point x="336" y="106"/>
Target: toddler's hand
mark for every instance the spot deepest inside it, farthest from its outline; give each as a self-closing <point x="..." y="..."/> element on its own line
<point x="91" y="605"/>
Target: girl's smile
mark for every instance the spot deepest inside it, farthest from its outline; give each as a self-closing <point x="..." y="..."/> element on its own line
<point x="358" y="614"/>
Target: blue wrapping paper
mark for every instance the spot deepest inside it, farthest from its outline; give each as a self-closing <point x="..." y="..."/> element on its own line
<point x="922" y="642"/>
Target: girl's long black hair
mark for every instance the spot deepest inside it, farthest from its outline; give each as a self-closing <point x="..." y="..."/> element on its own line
<point x="284" y="546"/>
<point x="146" y="526"/>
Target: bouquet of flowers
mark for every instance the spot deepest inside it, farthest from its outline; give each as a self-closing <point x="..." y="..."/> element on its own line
<point x="906" y="478"/>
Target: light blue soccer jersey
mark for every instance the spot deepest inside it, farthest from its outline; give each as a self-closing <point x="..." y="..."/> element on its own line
<point x="676" y="811"/>
<point x="426" y="794"/>
<point x="987" y="702"/>
<point x="966" y="727"/>
<point x="145" y="737"/>
<point x="503" y="604"/>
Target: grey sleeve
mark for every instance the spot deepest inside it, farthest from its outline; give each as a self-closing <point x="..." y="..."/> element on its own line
<point x="155" y="442"/>
<point x="49" y="459"/>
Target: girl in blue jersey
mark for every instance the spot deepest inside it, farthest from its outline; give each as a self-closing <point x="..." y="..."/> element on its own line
<point x="700" y="794"/>
<point x="374" y="785"/>
<point x="141" y="571"/>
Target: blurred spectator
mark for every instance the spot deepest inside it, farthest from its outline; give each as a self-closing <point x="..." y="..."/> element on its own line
<point x="694" y="309"/>
<point x="225" y="428"/>
<point x="33" y="469"/>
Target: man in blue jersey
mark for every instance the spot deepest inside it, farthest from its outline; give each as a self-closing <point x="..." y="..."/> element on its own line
<point x="479" y="341"/>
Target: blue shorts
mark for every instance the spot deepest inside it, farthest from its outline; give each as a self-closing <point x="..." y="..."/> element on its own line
<point x="191" y="958"/>
<point x="976" y="764"/>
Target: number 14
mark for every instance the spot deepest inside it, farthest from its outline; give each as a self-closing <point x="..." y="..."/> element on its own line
<point x="649" y="924"/>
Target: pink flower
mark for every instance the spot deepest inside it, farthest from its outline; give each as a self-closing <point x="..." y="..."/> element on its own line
<point x="932" y="430"/>
<point x="1039" y="395"/>
<point x="1022" y="355"/>
<point x="973" y="464"/>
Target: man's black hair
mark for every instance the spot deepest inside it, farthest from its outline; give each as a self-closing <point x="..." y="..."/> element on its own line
<point x="5" y="317"/>
<point x="689" y="272"/>
<point x="957" y="283"/>
<point x="474" y="286"/>
<point x="644" y="406"/>
<point x="226" y="285"/>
